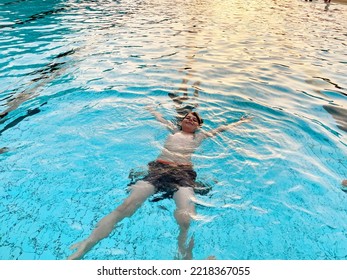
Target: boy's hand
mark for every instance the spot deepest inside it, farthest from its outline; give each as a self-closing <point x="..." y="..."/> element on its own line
<point x="149" y="108"/>
<point x="246" y="118"/>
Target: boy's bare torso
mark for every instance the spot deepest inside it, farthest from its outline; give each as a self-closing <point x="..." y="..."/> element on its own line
<point x="179" y="148"/>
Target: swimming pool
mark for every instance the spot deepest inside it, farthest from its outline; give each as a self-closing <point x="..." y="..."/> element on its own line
<point x="76" y="77"/>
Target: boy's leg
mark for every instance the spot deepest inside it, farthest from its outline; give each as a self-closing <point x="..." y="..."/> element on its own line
<point x="185" y="210"/>
<point x="139" y="193"/>
<point x="183" y="89"/>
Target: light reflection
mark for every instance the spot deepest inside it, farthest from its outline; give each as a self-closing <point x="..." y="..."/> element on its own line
<point x="282" y="61"/>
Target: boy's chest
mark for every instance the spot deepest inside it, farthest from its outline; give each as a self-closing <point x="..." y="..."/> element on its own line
<point x="181" y="143"/>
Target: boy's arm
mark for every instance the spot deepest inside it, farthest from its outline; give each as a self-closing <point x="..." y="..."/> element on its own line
<point x="214" y="132"/>
<point x="159" y="117"/>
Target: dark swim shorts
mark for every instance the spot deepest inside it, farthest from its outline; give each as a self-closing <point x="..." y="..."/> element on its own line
<point x="168" y="178"/>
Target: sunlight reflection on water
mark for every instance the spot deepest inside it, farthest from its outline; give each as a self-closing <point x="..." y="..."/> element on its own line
<point x="77" y="75"/>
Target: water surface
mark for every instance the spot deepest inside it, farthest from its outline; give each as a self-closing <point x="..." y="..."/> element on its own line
<point x="76" y="77"/>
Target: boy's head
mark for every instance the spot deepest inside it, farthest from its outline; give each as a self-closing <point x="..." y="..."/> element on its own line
<point x="191" y="122"/>
<point x="197" y="116"/>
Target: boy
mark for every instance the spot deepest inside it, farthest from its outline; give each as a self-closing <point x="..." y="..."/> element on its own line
<point x="172" y="172"/>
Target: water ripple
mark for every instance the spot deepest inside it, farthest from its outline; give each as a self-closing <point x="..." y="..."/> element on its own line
<point x="75" y="78"/>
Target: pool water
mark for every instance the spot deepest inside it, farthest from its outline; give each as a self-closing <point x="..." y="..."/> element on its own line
<point x="76" y="77"/>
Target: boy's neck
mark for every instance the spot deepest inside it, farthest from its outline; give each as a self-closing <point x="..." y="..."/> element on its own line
<point x="187" y="132"/>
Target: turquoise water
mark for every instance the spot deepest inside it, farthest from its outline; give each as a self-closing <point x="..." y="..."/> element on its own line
<point x="75" y="79"/>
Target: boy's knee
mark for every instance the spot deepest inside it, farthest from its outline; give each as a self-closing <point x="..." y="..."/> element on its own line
<point x="183" y="218"/>
<point x="127" y="208"/>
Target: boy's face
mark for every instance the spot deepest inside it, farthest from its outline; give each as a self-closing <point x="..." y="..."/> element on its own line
<point x="190" y="123"/>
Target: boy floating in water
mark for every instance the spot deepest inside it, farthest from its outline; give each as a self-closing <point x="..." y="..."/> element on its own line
<point x="172" y="173"/>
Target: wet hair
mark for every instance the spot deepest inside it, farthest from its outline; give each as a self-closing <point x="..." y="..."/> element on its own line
<point x="200" y="120"/>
